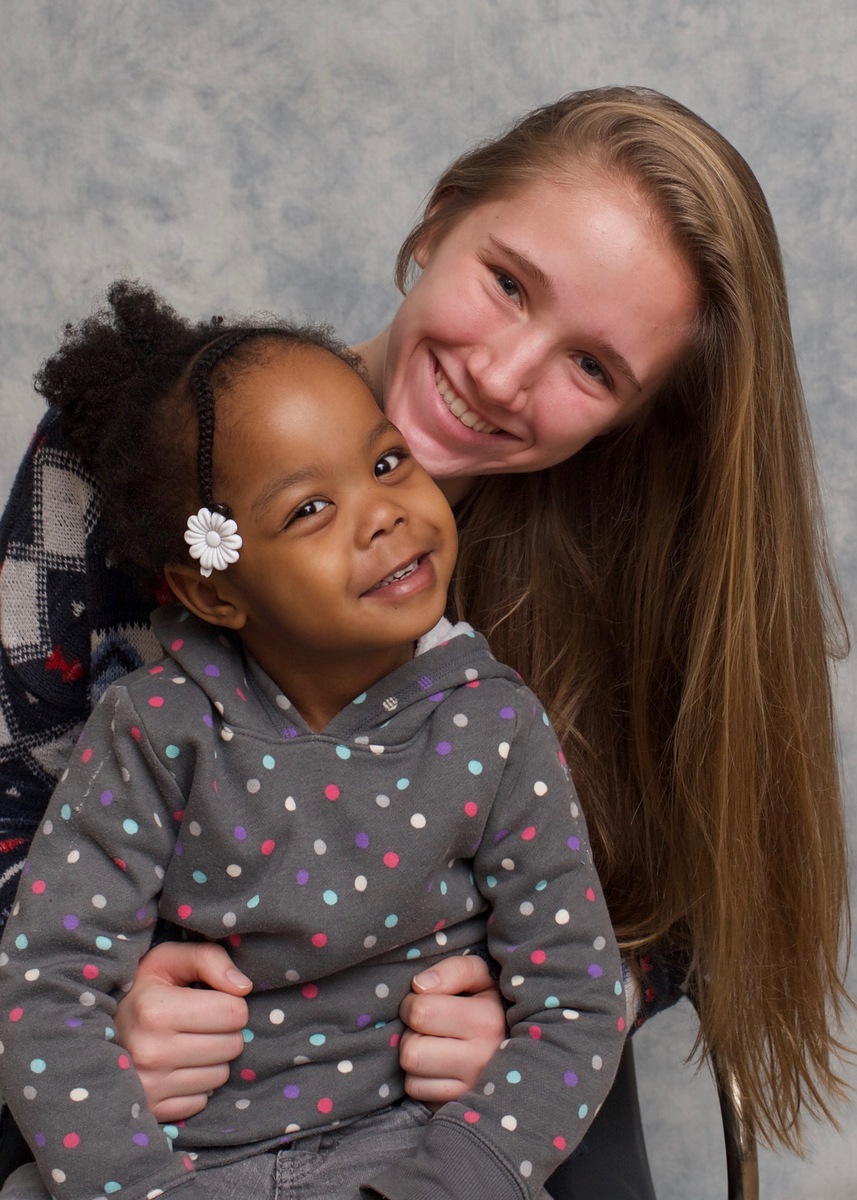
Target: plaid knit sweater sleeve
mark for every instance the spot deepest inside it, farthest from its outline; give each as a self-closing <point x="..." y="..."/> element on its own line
<point x="70" y="624"/>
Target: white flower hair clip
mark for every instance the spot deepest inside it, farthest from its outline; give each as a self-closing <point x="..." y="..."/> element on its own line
<point x="212" y="537"/>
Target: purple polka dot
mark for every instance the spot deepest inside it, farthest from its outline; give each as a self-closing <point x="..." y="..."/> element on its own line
<point x="141" y="914"/>
<point x="140" y="1139"/>
<point x="71" y="921"/>
<point x="362" y="840"/>
<point x="106" y="798"/>
<point x="438" y="696"/>
<point x="363" y="1020"/>
<point x="594" y="971"/>
<point x="570" y="1079"/>
<point x="290" y="732"/>
<point x="74" y="1022"/>
<point x="40" y="1139"/>
<point x="239" y="833"/>
<point x="291" y="1091"/>
<point x="574" y="843"/>
<point x="178" y="849"/>
<point x="212" y="670"/>
<point x="207" y="720"/>
<point x="508" y="714"/>
<point x="500" y="834"/>
<point x="302" y="877"/>
<point x="443" y="747"/>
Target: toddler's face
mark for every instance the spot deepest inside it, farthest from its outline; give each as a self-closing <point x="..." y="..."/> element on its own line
<point x="348" y="545"/>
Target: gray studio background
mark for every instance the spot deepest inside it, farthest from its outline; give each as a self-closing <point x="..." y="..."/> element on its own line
<point x="271" y="154"/>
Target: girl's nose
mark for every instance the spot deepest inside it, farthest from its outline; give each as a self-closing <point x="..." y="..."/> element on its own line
<point x="505" y="368"/>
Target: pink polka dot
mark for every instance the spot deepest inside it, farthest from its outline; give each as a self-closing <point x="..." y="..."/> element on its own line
<point x="268" y="846"/>
<point x="187" y="1161"/>
<point x="87" y="755"/>
<point x="248" y="1074"/>
<point x="620" y="1024"/>
<point x="124" y="1062"/>
<point x="319" y="939"/>
<point x="590" y="894"/>
<point x="559" y="1142"/>
<point x="309" y="991"/>
<point x="529" y="833"/>
<point x="535" y="1032"/>
<point x="331" y="791"/>
<point x="90" y="971"/>
<point x="155" y="670"/>
<point x="234" y="939"/>
<point x="538" y="957"/>
<point x="38" y="886"/>
<point x="184" y="911"/>
<point x="135" y="733"/>
<point x="394" y="1040"/>
<point x="471" y="1117"/>
<point x="156" y="702"/>
<point x="473" y="683"/>
<point x="178" y="814"/>
<point x="177" y="644"/>
<point x="16" y="1014"/>
<point x="325" y="1104"/>
<point x="471" y="808"/>
<point x="391" y="859"/>
<point x="439" y="925"/>
<point x="121" y="864"/>
<point x="71" y="1141"/>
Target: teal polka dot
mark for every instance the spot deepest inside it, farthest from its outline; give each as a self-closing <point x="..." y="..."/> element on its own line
<point x="109" y="1034"/>
<point x="172" y="751"/>
<point x="103" y="943"/>
<point x="200" y="877"/>
<point x="112" y="1186"/>
<point x="392" y="921"/>
<point x="541" y="885"/>
<point x="22" y="941"/>
<point x="130" y="826"/>
<point x="413" y="953"/>
<point x="247" y="1035"/>
<point x="269" y="762"/>
<point x="491" y="881"/>
<point x="617" y="988"/>
<point x="401" y="784"/>
<point x="359" y="699"/>
<point x="253" y="902"/>
<point x="474" y="766"/>
<point x="38" y="1065"/>
<point x="171" y="1131"/>
<point x="583" y="1110"/>
<point x="343" y="752"/>
<point x="317" y="1039"/>
<point x="513" y="1077"/>
<point x="545" y="718"/>
<point x="65" y="812"/>
<point x="330" y="897"/>
<point x="551" y="1002"/>
<point x="443" y="888"/>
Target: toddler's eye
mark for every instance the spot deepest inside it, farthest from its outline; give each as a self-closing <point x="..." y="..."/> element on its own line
<point x="592" y="367"/>
<point x="508" y="285"/>
<point x="389" y="461"/>
<point x="308" y="509"/>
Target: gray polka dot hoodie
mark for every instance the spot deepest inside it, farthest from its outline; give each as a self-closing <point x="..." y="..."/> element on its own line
<point x="434" y="815"/>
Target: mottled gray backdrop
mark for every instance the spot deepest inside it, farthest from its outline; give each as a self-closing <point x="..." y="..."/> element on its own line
<point x="247" y="154"/>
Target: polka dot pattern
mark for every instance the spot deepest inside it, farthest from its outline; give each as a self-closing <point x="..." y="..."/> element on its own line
<point x="333" y="866"/>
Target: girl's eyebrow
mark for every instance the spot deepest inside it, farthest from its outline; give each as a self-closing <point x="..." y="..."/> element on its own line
<point x="527" y="267"/>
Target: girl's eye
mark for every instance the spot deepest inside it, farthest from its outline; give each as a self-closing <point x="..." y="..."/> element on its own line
<point x="591" y="367"/>
<point x="308" y="509"/>
<point x="389" y="461"/>
<point x="508" y="285"/>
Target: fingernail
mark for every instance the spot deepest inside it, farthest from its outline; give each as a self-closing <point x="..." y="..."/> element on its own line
<point x="427" y="980"/>
<point x="238" y="978"/>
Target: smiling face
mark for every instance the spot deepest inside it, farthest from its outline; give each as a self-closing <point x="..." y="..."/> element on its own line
<point x="348" y="545"/>
<point x="539" y="321"/>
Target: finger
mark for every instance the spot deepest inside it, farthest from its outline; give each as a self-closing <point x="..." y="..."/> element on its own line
<point x="433" y="1092"/>
<point x="434" y="1058"/>
<point x="183" y="963"/>
<point x="182" y="1051"/>
<point x="183" y="1086"/>
<point x="462" y="973"/>
<point x="479" y="1017"/>
<point x="179" y="1108"/>
<point x="164" y="1009"/>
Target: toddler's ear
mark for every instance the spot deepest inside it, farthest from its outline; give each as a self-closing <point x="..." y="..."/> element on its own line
<point x="207" y="598"/>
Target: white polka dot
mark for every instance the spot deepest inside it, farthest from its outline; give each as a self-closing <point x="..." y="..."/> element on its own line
<point x="242" y="1104"/>
<point x="30" y="1093"/>
<point x="540" y="788"/>
<point x="526" y="1168"/>
<point x="460" y="720"/>
<point x="382" y="801"/>
<point x="194" y="828"/>
<point x="361" y="883"/>
<point x="441" y="938"/>
<point x="293" y="1128"/>
<point x="157" y="820"/>
<point x="319" y="846"/>
<point x="599" y="943"/>
<point x="218" y="704"/>
<point x="597" y="1062"/>
<point x="78" y="1094"/>
<point x="376" y="749"/>
<point x="289" y="804"/>
<point x="382" y="991"/>
<point x="98" y="901"/>
<point x="510" y="1123"/>
<point x="253" y="786"/>
<point x="345" y="1067"/>
<point x="4" y="958"/>
<point x="292" y="976"/>
<point x="57" y="1175"/>
<point x="159" y="871"/>
<point x="73" y="856"/>
<point x="136" y="1109"/>
<point x="276" y="1016"/>
<point x="64" y="776"/>
<point x="32" y="975"/>
<point x="418" y="821"/>
<point x="370" y="941"/>
<point x="233" y="870"/>
<point x="488" y="1090"/>
<point x="575" y="811"/>
<point x="229" y="919"/>
<point x="503" y="749"/>
<point x="284" y="703"/>
<point x="384" y="1091"/>
<point x="86" y="999"/>
<point x="468" y="904"/>
<point x="126" y="775"/>
<point x="508" y="864"/>
<point x="179" y="679"/>
<point x="48" y="827"/>
<point x="516" y="980"/>
<point x="570" y="1014"/>
<point x="527" y="908"/>
<point x="562" y="917"/>
<point x="471" y="673"/>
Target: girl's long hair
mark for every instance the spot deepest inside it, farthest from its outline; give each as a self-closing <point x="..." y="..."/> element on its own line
<point x="669" y="594"/>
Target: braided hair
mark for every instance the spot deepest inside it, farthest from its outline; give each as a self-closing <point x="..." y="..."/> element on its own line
<point x="136" y="385"/>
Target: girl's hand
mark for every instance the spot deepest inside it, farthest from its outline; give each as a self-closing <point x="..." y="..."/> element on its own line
<point x="182" y="1039"/>
<point x="450" y="1035"/>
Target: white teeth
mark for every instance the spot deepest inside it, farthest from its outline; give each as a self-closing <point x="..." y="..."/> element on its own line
<point x="459" y="409"/>
<point x="397" y="575"/>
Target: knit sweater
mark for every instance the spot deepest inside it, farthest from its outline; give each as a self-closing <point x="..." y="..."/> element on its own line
<point x="433" y="812"/>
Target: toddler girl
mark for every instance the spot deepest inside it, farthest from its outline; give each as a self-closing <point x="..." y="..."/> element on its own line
<point x="323" y="773"/>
